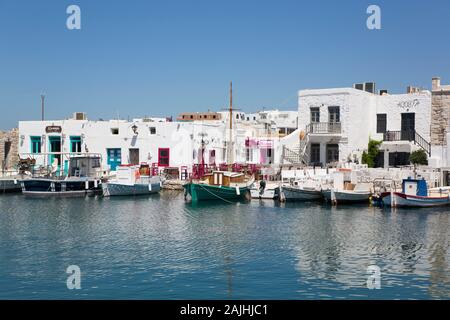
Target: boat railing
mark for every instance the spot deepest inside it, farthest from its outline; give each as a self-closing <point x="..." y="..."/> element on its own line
<point x="39" y="163"/>
<point x="8" y="173"/>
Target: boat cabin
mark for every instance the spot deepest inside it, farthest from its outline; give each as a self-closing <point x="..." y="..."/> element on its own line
<point x="415" y="187"/>
<point x="131" y="174"/>
<point x="224" y="178"/>
<point x="84" y="166"/>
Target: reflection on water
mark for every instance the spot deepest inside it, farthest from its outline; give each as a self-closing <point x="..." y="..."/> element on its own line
<point x="159" y="247"/>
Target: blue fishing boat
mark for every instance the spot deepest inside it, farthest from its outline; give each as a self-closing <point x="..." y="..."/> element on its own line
<point x="415" y="194"/>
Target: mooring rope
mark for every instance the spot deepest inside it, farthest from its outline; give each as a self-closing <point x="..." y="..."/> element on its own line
<point x="215" y="194"/>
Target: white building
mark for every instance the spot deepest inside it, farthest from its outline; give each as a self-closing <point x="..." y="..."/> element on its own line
<point x="337" y="124"/>
<point x="166" y="144"/>
<point x="151" y="140"/>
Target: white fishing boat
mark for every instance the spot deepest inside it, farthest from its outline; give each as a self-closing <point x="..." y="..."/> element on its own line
<point x="131" y="181"/>
<point x="301" y="193"/>
<point x="360" y="192"/>
<point x="306" y="189"/>
<point x="264" y="190"/>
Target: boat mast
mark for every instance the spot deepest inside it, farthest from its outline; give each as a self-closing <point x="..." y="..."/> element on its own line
<point x="230" y="140"/>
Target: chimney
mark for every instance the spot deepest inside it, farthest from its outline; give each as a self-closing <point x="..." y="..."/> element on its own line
<point x="436" y="83"/>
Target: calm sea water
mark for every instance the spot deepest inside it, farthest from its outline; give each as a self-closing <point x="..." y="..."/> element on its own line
<point x="159" y="247"/>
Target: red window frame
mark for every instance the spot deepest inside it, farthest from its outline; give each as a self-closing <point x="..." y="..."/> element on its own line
<point x="163" y="157"/>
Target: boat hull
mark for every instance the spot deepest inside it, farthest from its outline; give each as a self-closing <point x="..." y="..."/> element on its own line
<point x="299" y="194"/>
<point x="267" y="193"/>
<point x="60" y="188"/>
<point x="398" y="199"/>
<point x="116" y="189"/>
<point x="204" y="192"/>
<point x="10" y="186"/>
<point x="347" y="196"/>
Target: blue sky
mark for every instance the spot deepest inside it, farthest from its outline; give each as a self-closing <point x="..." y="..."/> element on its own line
<point x="136" y="58"/>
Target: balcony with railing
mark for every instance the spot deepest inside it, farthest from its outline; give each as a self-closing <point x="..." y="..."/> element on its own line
<point x="324" y="128"/>
<point x="408" y="135"/>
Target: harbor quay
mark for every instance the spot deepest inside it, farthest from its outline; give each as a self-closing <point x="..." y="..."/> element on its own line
<point x="330" y="129"/>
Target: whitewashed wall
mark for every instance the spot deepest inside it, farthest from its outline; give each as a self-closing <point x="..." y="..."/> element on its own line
<point x="358" y="110"/>
<point x="395" y="105"/>
<point x="183" y="139"/>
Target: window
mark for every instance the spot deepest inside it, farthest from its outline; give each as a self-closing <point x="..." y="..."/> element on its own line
<point x="163" y="157"/>
<point x="192" y="117"/>
<point x="248" y="154"/>
<point x="35" y="144"/>
<point x="115" y="131"/>
<point x="75" y="144"/>
<point x="315" y="153"/>
<point x="315" y="115"/>
<point x="96" y="163"/>
<point x="334" y="115"/>
<point x="332" y="153"/>
<point x="212" y="157"/>
<point x="214" y="117"/>
<point x="381" y="123"/>
<point x="152" y="130"/>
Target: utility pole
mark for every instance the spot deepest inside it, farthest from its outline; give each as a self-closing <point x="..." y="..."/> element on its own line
<point x="42" y="104"/>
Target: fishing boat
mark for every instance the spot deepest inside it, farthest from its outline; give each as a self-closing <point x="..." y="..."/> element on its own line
<point x="357" y="193"/>
<point x="219" y="185"/>
<point x="301" y="193"/>
<point x="132" y="181"/>
<point x="264" y="190"/>
<point x="83" y="178"/>
<point x="11" y="184"/>
<point x="415" y="193"/>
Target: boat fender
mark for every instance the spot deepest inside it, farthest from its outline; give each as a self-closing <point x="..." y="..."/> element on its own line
<point x="392" y="199"/>
<point x="95" y="184"/>
<point x="333" y="197"/>
<point x="86" y="185"/>
<point x="238" y="191"/>
<point x="149" y="187"/>
<point x="15" y="181"/>
<point x="282" y="196"/>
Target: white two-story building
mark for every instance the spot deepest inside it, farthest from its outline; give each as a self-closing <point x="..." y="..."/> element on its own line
<point x="338" y="123"/>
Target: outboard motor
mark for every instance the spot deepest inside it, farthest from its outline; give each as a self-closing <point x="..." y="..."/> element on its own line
<point x="262" y="187"/>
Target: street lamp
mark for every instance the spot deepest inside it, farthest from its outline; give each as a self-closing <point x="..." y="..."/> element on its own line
<point x="134" y="128"/>
<point x="42" y="105"/>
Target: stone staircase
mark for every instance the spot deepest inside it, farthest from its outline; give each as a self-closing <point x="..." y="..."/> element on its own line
<point x="297" y="154"/>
